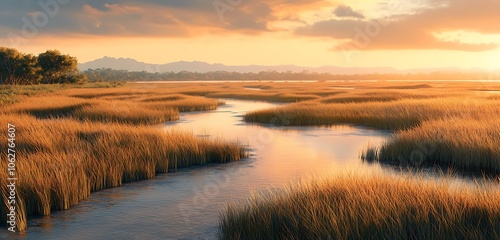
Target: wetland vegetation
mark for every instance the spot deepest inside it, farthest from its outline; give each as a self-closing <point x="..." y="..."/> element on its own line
<point x="78" y="140"/>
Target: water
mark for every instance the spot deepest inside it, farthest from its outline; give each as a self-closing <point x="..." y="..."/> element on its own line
<point x="488" y="92"/>
<point x="252" y="88"/>
<point x="187" y="204"/>
<point x="343" y="88"/>
<point x="483" y="81"/>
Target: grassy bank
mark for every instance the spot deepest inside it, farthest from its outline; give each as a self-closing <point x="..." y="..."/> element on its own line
<point x="464" y="144"/>
<point x="115" y="105"/>
<point x="14" y="93"/>
<point x="393" y="115"/>
<point x="74" y="141"/>
<point x="449" y="125"/>
<point x="367" y="207"/>
<point x="61" y="161"/>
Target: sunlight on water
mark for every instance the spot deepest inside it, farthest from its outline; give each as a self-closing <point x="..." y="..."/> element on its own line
<point x="186" y="204"/>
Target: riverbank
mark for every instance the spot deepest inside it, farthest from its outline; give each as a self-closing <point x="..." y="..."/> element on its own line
<point x="70" y="142"/>
<point x="367" y="207"/>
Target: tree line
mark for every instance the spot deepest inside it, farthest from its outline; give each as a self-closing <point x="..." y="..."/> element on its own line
<point x="107" y="74"/>
<point x="50" y="67"/>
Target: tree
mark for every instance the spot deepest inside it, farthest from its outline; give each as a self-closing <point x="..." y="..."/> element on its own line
<point x="17" y="68"/>
<point x="48" y="67"/>
<point x="58" y="68"/>
<point x="28" y="70"/>
<point x="10" y="61"/>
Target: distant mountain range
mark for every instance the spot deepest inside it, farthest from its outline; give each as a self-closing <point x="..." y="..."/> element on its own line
<point x="203" y="67"/>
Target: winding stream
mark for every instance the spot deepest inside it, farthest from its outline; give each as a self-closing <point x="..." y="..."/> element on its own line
<point x="186" y="204"/>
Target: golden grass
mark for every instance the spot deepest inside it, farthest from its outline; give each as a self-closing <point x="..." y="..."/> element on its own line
<point x="459" y="143"/>
<point x="61" y="161"/>
<point x="185" y="104"/>
<point x="72" y="141"/>
<point x="270" y="97"/>
<point x="14" y="93"/>
<point x="124" y="112"/>
<point x="56" y="106"/>
<point x="75" y="141"/>
<point x="401" y="114"/>
<point x="380" y="96"/>
<point x="120" y="105"/>
<point x="450" y="124"/>
<point x="367" y="207"/>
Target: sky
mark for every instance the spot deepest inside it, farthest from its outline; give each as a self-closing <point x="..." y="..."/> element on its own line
<point x="403" y="34"/>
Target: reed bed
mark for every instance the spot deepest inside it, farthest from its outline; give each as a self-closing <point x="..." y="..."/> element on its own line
<point x="403" y="114"/>
<point x="184" y="104"/>
<point x="56" y="106"/>
<point x="125" y="112"/>
<point x="270" y="97"/>
<point x="61" y="161"/>
<point x="382" y="206"/>
<point x="456" y="129"/>
<point x="113" y="105"/>
<point x="74" y="141"/>
<point x="463" y="144"/>
<point x="10" y="94"/>
<point x="360" y="96"/>
<point x="154" y="99"/>
<point x="451" y="125"/>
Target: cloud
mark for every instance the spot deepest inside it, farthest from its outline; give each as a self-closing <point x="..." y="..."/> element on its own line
<point x="417" y="30"/>
<point x="175" y="18"/>
<point x="346" y="11"/>
<point x="192" y="18"/>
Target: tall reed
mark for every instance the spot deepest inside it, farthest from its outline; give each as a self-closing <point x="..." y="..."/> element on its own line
<point x="61" y="161"/>
<point x="367" y="207"/>
<point x="465" y="144"/>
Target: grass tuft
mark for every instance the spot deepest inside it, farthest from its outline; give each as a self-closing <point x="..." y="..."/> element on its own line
<point x="367" y="207"/>
<point x="61" y="161"/>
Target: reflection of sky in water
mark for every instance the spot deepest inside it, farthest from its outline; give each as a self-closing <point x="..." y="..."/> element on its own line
<point x="186" y="204"/>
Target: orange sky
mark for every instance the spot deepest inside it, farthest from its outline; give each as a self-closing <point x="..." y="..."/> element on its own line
<point x="362" y="33"/>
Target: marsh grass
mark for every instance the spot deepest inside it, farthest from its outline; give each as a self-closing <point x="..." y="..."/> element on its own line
<point x="15" y="93"/>
<point x="270" y="97"/>
<point x="463" y="144"/>
<point x="10" y="94"/>
<point x="413" y="86"/>
<point x="403" y="114"/>
<point x="447" y="132"/>
<point x="154" y="98"/>
<point x="74" y="141"/>
<point x="360" y="96"/>
<point x="381" y="206"/>
<point x="184" y="103"/>
<point x="449" y="125"/>
<point x="124" y="112"/>
<point x="113" y="105"/>
<point x="61" y="161"/>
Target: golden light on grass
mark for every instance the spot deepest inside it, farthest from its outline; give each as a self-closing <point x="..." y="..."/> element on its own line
<point x="72" y="142"/>
<point x="367" y="206"/>
<point x="470" y="144"/>
<point x="457" y="127"/>
<point x="61" y="161"/>
<point x="392" y="115"/>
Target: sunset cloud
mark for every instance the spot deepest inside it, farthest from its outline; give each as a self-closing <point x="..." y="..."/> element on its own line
<point x="302" y="32"/>
<point x="346" y="11"/>
<point x="178" y="18"/>
<point x="192" y="18"/>
<point x="414" y="31"/>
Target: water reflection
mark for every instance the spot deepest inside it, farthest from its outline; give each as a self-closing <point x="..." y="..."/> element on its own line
<point x="186" y="204"/>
